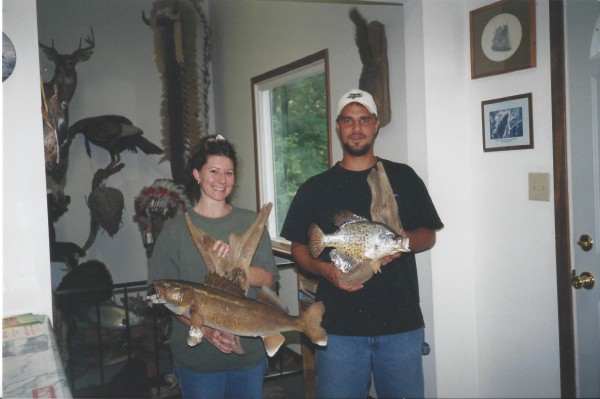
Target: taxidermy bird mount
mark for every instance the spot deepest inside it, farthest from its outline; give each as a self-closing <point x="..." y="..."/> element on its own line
<point x="115" y="134"/>
<point x="372" y="49"/>
<point x="55" y="129"/>
<point x="67" y="252"/>
<point x="180" y="28"/>
<point x="106" y="205"/>
<point x="56" y="146"/>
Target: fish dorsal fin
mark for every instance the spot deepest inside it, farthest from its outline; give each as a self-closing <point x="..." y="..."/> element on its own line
<point x="224" y="284"/>
<point x="270" y="297"/>
<point x="345" y="217"/>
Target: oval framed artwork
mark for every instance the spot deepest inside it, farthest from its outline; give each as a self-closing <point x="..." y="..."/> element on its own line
<point x="9" y="57"/>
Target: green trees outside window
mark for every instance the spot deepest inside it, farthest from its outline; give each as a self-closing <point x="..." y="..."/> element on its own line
<point x="291" y="132"/>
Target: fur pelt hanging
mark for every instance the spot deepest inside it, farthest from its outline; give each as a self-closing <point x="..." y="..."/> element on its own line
<point x="372" y="49"/>
<point x="180" y="29"/>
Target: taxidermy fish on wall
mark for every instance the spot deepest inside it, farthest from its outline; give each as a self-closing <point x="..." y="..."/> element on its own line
<point x="180" y="28"/>
<point x="372" y="49"/>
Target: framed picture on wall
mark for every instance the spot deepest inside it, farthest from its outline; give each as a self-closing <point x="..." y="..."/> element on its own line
<point x="502" y="37"/>
<point x="507" y="123"/>
<point x="9" y="57"/>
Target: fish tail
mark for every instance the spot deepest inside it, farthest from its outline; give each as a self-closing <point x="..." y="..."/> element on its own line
<point x="312" y="323"/>
<point x="316" y="244"/>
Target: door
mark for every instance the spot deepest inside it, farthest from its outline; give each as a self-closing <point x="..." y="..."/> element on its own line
<point x="582" y="61"/>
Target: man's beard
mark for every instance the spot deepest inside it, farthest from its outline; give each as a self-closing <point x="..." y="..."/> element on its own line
<point x="357" y="152"/>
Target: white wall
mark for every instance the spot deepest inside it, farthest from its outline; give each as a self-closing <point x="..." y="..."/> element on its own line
<point x="25" y="252"/>
<point x="493" y="268"/>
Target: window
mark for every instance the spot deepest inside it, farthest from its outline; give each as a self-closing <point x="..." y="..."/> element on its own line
<point x="291" y="133"/>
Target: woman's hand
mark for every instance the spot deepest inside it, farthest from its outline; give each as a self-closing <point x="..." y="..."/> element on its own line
<point x="221" y="248"/>
<point x="223" y="341"/>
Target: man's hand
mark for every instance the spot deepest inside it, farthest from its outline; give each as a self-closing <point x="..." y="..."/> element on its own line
<point x="332" y="273"/>
<point x="384" y="261"/>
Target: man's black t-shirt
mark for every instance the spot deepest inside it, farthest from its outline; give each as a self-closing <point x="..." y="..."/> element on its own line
<point x="389" y="301"/>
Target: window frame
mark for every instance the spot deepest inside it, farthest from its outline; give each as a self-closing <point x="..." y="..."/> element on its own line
<point x="263" y="155"/>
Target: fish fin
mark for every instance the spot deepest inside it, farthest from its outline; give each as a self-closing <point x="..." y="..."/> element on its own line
<point x="344" y="217"/>
<point x="384" y="207"/>
<point x="204" y="244"/>
<point x="312" y="323"/>
<point x="270" y="297"/>
<point x="195" y="336"/>
<point x="239" y="276"/>
<point x="273" y="343"/>
<point x="343" y="261"/>
<point x="224" y="284"/>
<point x="315" y="237"/>
<point x="242" y="248"/>
<point x="238" y="349"/>
<point x="375" y="265"/>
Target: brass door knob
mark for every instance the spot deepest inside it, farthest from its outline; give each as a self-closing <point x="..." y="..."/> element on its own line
<point x="585" y="280"/>
<point x="585" y="242"/>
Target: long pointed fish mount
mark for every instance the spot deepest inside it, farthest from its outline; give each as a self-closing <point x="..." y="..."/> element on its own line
<point x="220" y="304"/>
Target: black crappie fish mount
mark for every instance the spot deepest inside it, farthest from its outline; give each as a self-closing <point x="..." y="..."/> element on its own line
<point x="384" y="210"/>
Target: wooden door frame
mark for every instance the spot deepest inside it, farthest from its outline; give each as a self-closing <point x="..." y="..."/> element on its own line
<point x="566" y="327"/>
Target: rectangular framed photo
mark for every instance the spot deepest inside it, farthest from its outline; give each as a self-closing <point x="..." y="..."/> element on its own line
<point x="502" y="37"/>
<point x="507" y="123"/>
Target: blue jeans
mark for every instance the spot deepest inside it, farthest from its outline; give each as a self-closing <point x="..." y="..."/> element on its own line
<point x="344" y="366"/>
<point x="221" y="384"/>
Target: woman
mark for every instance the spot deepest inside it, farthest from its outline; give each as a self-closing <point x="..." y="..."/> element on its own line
<point x="210" y="369"/>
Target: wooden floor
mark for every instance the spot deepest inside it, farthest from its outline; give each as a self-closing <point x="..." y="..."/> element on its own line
<point x="286" y="387"/>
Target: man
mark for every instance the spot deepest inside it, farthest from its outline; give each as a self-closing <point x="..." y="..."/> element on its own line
<point x="375" y="327"/>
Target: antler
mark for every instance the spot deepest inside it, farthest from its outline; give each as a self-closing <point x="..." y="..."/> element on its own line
<point x="83" y="54"/>
<point x="50" y="52"/>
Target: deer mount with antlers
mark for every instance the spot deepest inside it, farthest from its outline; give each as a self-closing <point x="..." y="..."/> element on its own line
<point x="65" y="75"/>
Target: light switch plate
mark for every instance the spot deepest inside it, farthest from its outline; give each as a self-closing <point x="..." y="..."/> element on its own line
<point x="539" y="186"/>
